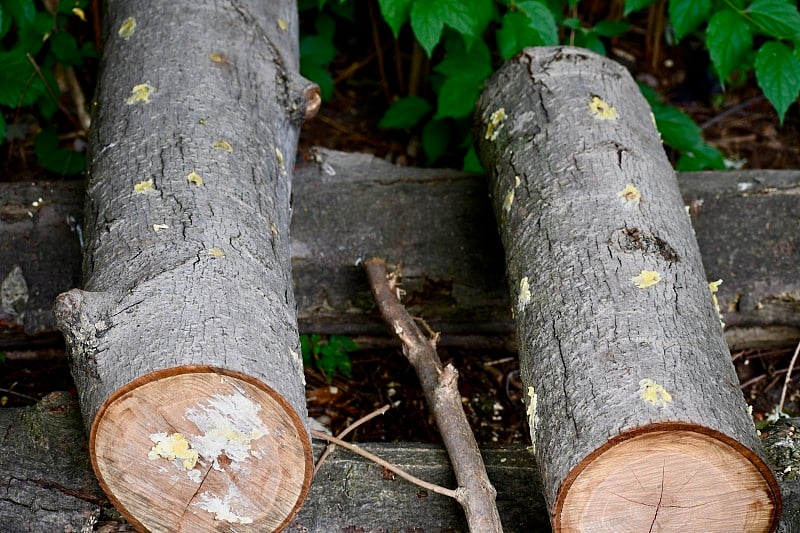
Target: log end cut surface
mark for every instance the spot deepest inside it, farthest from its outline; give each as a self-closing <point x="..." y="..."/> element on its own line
<point x="669" y="479"/>
<point x="201" y="450"/>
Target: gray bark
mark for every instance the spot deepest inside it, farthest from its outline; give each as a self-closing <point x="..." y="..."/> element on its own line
<point x="447" y="241"/>
<point x="186" y="268"/>
<point x="608" y="361"/>
<point x="49" y="485"/>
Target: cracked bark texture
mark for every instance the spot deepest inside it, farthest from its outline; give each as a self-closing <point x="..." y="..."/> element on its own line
<point x="635" y="410"/>
<point x="187" y="291"/>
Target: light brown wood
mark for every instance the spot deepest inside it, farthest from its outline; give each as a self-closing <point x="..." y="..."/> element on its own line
<point x="678" y="479"/>
<point x="203" y="450"/>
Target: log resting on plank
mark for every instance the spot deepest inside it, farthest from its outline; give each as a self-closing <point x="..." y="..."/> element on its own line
<point x="49" y="484"/>
<point x="348" y="206"/>
<point x="635" y="411"/>
<point x="183" y="338"/>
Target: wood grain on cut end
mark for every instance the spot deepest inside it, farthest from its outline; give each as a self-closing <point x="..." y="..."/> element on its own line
<point x="201" y="449"/>
<point x="670" y="477"/>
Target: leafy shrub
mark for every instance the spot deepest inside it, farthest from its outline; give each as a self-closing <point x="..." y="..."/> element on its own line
<point x="328" y="355"/>
<point x="34" y="44"/>
<point x="466" y="40"/>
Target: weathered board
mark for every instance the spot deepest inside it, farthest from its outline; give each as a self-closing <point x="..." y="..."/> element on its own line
<point x="439" y="223"/>
<point x="49" y="486"/>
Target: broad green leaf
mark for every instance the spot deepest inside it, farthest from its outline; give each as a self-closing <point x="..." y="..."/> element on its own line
<point x="428" y="18"/>
<point x="636" y="5"/>
<point x="5" y="22"/>
<point x="435" y="138"/>
<point x="65" y="49"/>
<point x="679" y="131"/>
<point x="541" y="21"/>
<point x="54" y="158"/>
<point x="688" y="15"/>
<point x="316" y="50"/>
<point x="319" y="75"/>
<point x="473" y="65"/>
<point x="395" y="13"/>
<point x="460" y="15"/>
<point x="32" y="36"/>
<point x="325" y="26"/>
<point x="728" y="38"/>
<point x="427" y="24"/>
<point x="701" y="158"/>
<point x="19" y="84"/>
<point x="405" y="113"/>
<point x="778" y="75"/>
<point x="22" y="11"/>
<point x="457" y="98"/>
<point x="777" y="18"/>
<point x="471" y="161"/>
<point x="610" y="28"/>
<point x="515" y="34"/>
<point x="591" y="41"/>
<point x="677" y="128"/>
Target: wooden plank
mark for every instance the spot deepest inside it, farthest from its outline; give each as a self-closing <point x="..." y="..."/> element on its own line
<point x="439" y="223"/>
<point x="48" y="484"/>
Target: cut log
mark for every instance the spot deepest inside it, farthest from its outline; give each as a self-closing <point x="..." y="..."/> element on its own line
<point x="51" y="487"/>
<point x="451" y="250"/>
<point x="634" y="407"/>
<point x="183" y="342"/>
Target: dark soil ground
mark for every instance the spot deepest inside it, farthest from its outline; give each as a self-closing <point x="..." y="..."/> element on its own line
<point x="740" y="122"/>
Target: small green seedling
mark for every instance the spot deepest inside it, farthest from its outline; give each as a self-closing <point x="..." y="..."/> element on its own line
<point x="328" y="355"/>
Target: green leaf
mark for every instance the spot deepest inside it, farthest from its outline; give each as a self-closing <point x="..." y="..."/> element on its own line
<point x="395" y="13"/>
<point x="428" y="18"/>
<point x="703" y="157"/>
<point x="610" y="28"/>
<point x="405" y="113"/>
<point x="591" y="41"/>
<point x="427" y="24"/>
<point x="19" y="84"/>
<point x="319" y="75"/>
<point x="541" y="21"/>
<point x="435" y="138"/>
<point x="465" y="71"/>
<point x="517" y="32"/>
<point x="457" y="99"/>
<point x="688" y="15"/>
<point x="728" y="38"/>
<point x="317" y="50"/>
<point x="777" y="18"/>
<point x="471" y="162"/>
<point x="305" y="349"/>
<point x="54" y="158"/>
<point x="65" y="49"/>
<point x="778" y="75"/>
<point x="473" y="65"/>
<point x="21" y="11"/>
<point x="636" y="5"/>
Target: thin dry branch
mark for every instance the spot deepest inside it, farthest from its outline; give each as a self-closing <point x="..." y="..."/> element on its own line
<point x="330" y="447"/>
<point x="438" y="489"/>
<point x="475" y="493"/>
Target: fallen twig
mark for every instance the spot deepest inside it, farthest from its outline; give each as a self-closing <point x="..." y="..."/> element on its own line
<point x="330" y="447"/>
<point x="475" y="493"/>
<point x="788" y="377"/>
<point x="387" y="465"/>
